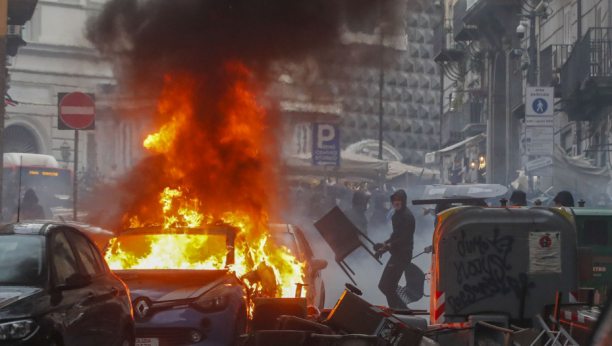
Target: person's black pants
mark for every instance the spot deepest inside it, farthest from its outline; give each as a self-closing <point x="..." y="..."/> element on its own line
<point x="390" y="278"/>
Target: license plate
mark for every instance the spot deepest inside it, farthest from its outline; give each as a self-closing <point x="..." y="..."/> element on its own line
<point x="147" y="342"/>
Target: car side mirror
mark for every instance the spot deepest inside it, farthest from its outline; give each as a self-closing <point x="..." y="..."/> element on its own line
<point x="317" y="264"/>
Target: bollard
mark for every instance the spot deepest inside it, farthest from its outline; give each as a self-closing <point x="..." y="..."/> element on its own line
<point x="581" y="203"/>
<point x="503" y="202"/>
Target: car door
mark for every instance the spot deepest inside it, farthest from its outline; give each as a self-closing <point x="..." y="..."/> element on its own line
<point x="106" y="310"/>
<point x="72" y="295"/>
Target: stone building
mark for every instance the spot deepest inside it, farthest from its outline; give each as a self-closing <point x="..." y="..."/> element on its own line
<point x="485" y="68"/>
<point x="349" y="82"/>
<point x="56" y="59"/>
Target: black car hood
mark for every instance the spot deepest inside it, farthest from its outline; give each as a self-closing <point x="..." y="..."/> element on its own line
<point x="11" y="294"/>
<point x="168" y="285"/>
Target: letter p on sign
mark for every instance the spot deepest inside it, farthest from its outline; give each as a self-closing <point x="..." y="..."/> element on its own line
<point x="326" y="134"/>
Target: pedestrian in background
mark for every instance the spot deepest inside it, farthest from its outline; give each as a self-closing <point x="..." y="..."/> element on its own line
<point x="603" y="200"/>
<point x="356" y="214"/>
<point x="518" y="198"/>
<point x="29" y="208"/>
<point x="378" y="221"/>
<point x="564" y="199"/>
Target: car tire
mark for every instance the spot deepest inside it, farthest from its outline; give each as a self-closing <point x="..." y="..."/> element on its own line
<point x="241" y="326"/>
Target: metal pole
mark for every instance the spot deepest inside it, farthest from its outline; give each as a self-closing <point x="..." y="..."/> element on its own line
<point x="380" y="99"/>
<point x="3" y="24"/>
<point x="75" y="176"/>
<point x="532" y="78"/>
<point x="507" y="179"/>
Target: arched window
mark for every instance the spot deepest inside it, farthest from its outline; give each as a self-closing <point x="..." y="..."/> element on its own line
<point x="18" y="139"/>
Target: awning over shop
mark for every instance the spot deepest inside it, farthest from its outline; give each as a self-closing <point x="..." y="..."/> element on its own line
<point x="397" y="168"/>
<point x="350" y="165"/>
<point x="469" y="142"/>
<point x="355" y="165"/>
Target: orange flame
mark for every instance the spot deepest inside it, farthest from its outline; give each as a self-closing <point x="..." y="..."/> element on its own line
<point x="216" y="169"/>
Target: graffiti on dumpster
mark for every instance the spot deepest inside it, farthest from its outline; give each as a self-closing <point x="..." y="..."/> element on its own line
<point x="484" y="270"/>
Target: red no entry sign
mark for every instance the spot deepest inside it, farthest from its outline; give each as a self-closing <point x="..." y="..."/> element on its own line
<point x="77" y="111"/>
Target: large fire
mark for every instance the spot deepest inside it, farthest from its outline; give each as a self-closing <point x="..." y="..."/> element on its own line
<point x="216" y="171"/>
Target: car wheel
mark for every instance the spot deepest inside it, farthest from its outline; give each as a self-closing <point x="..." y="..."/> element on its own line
<point x="241" y="326"/>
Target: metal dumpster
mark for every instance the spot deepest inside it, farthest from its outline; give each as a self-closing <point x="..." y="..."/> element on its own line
<point x="510" y="261"/>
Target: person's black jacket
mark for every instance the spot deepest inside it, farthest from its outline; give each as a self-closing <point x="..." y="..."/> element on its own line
<point x="403" y="222"/>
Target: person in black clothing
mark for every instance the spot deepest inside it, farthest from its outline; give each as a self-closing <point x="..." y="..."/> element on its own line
<point x="358" y="209"/>
<point x="400" y="246"/>
<point x="564" y="199"/>
<point x="30" y="209"/>
<point x="518" y="198"/>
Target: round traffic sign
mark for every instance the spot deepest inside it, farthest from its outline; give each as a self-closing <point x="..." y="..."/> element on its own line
<point x="540" y="105"/>
<point x="77" y="110"/>
<point x="545" y="241"/>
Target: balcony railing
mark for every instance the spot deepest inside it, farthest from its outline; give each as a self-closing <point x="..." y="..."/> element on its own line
<point x="590" y="59"/>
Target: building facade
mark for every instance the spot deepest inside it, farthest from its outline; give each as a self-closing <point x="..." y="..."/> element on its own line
<point x="348" y="85"/>
<point x="59" y="59"/>
<point x="486" y="68"/>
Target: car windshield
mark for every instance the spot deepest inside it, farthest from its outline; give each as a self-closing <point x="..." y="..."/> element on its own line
<point x="167" y="251"/>
<point x="21" y="260"/>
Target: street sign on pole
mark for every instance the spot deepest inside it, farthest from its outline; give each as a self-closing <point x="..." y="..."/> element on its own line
<point x="77" y="111"/>
<point x="539" y="141"/>
<point x="325" y="144"/>
<point x="538" y="163"/>
<point x="539" y="101"/>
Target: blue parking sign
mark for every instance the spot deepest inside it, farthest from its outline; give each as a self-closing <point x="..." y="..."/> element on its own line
<point x="325" y="144"/>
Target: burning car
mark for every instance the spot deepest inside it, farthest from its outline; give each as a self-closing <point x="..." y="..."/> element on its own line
<point x="293" y="239"/>
<point x="183" y="290"/>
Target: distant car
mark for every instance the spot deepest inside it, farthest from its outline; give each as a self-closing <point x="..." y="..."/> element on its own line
<point x="293" y="239"/>
<point x="56" y="289"/>
<point x="184" y="306"/>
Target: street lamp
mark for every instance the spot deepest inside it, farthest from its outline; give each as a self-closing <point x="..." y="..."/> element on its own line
<point x="65" y="149"/>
